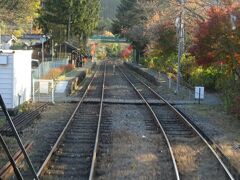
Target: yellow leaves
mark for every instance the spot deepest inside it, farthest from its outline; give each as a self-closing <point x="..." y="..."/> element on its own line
<point x="108" y="33"/>
<point x="18" y="32"/>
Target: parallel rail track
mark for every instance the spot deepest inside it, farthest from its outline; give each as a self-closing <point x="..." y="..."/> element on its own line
<point x="74" y="153"/>
<point x="22" y="120"/>
<point x="117" y="93"/>
<point x="81" y="144"/>
<point x="179" y="131"/>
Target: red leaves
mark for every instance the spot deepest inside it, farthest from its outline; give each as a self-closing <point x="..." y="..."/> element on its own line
<point x="215" y="39"/>
<point x="127" y="52"/>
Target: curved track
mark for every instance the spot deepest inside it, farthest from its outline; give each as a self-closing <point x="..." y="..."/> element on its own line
<point x="133" y="135"/>
<point x="189" y="146"/>
<point x="116" y="125"/>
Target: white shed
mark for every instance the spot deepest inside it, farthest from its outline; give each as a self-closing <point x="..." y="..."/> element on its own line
<point x="15" y="77"/>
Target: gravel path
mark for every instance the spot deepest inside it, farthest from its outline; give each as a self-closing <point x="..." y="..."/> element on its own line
<point x="135" y="152"/>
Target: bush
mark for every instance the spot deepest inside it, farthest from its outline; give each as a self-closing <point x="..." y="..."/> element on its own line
<point x="68" y="68"/>
<point x="56" y="72"/>
<point x="113" y="50"/>
<point x="163" y="64"/>
<point x="188" y="64"/>
<point x="101" y="53"/>
<point x="235" y="107"/>
<point x="205" y="77"/>
<point x="229" y="86"/>
<point x="53" y="73"/>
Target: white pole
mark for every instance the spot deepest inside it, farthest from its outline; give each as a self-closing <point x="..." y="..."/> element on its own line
<point x="0" y="37"/>
<point x="52" y="49"/>
<point x="33" y="90"/>
<point x="43" y="39"/>
<point x="53" y="92"/>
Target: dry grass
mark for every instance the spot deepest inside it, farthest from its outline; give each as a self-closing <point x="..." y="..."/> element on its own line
<point x="227" y="125"/>
<point x="186" y="156"/>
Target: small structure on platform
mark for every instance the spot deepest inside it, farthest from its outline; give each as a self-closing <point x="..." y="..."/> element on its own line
<point x="15" y="77"/>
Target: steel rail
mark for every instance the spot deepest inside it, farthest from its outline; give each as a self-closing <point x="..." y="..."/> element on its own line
<point x="13" y="163"/>
<point x="98" y="128"/>
<point x="17" y="137"/>
<point x="191" y="126"/>
<point x="22" y="119"/>
<point x="159" y="124"/>
<point x="65" y="128"/>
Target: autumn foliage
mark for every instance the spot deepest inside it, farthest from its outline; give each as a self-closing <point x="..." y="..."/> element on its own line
<point x="217" y="40"/>
<point x="126" y="53"/>
<point x="56" y="72"/>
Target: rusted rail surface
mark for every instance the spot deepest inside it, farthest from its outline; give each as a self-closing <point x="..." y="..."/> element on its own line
<point x="7" y="170"/>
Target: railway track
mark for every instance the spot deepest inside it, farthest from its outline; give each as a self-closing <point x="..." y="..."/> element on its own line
<point x="122" y="131"/>
<point x="133" y="142"/>
<point x="195" y="158"/>
<point x="22" y="120"/>
<point x="73" y="154"/>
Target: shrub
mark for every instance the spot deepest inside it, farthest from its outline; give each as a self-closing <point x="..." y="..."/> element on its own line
<point x="113" y="50"/>
<point x="188" y="64"/>
<point x="162" y="63"/>
<point x="205" y="77"/>
<point x="235" y="108"/>
<point x="229" y="86"/>
<point x="56" y="72"/>
<point x="101" y="53"/>
<point x="53" y="73"/>
<point x="68" y="68"/>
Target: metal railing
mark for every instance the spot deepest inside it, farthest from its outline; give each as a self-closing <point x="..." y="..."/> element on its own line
<point x="46" y="66"/>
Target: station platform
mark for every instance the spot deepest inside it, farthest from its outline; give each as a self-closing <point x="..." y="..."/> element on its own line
<point x="64" y="88"/>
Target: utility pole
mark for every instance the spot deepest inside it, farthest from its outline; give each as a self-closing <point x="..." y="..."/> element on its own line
<point x="69" y="20"/>
<point x="69" y="27"/>
<point x="180" y="33"/>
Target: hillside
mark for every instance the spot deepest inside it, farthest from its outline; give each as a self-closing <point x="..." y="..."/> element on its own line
<point x="109" y="8"/>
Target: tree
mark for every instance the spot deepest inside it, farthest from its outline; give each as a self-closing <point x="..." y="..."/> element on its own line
<point x="216" y="42"/>
<point x="17" y="16"/>
<point x="124" y="18"/>
<point x="79" y="17"/>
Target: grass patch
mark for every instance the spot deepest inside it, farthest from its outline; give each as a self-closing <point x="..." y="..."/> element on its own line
<point x="2" y="121"/>
<point x="216" y="115"/>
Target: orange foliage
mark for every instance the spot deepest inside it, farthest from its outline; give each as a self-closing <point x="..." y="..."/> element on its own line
<point x="53" y="73"/>
<point x="68" y="67"/>
<point x="127" y="52"/>
<point x="93" y="49"/>
<point x="216" y="39"/>
<point x="56" y="72"/>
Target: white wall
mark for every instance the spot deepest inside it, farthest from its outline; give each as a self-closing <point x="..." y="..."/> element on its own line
<point x="6" y="83"/>
<point x="15" y="78"/>
<point x="22" y="76"/>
